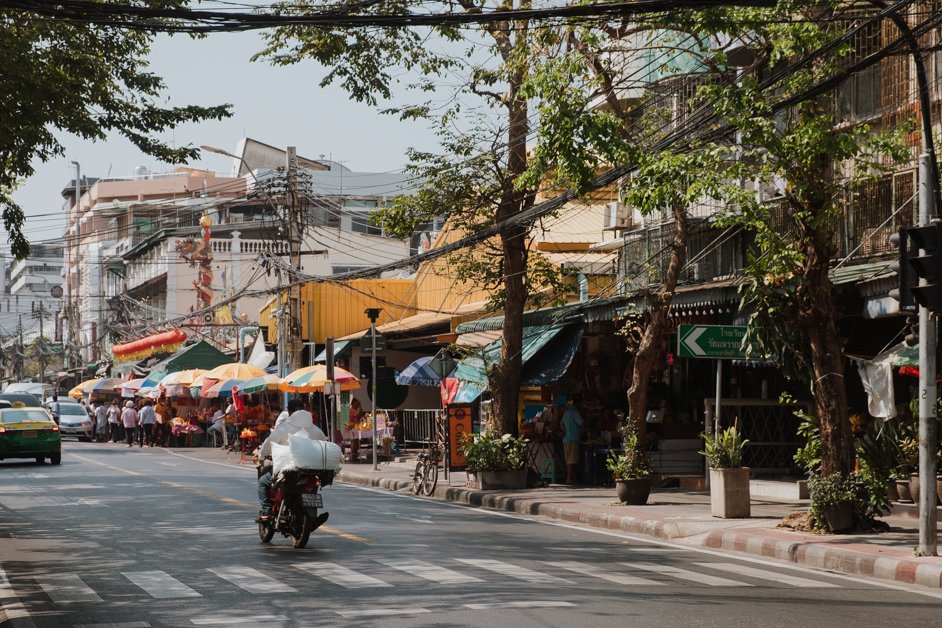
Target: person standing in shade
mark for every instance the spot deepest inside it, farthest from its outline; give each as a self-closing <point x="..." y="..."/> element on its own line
<point x="129" y="418"/>
<point x="101" y="423"/>
<point x="147" y="417"/>
<point x="114" y="416"/>
<point x="572" y="439"/>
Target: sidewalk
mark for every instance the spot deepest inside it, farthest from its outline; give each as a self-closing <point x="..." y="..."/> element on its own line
<point x="682" y="516"/>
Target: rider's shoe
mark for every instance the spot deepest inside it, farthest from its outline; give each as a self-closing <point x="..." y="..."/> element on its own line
<point x="263" y="517"/>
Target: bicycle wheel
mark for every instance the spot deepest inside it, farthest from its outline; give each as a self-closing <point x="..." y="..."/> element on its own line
<point x="417" y="477"/>
<point x="430" y="479"/>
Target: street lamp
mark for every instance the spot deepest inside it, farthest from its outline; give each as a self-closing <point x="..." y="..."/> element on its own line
<point x="219" y="151"/>
<point x="373" y="313"/>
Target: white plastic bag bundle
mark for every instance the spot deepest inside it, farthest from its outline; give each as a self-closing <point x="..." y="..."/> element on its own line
<point x="302" y="452"/>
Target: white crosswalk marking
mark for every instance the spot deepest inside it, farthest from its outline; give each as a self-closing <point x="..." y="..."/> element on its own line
<point x="683" y="574"/>
<point x="520" y="573"/>
<point x="429" y="571"/>
<point x="252" y="580"/>
<point x="67" y="588"/>
<point x="383" y="612"/>
<point x="338" y="574"/>
<point x="228" y="620"/>
<point x="520" y="604"/>
<point x="752" y="572"/>
<point x="159" y="584"/>
<point x="593" y="571"/>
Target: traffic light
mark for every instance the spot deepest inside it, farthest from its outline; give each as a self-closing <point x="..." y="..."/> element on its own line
<point x="920" y="258"/>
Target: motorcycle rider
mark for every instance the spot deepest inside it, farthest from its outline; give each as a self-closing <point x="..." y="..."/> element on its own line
<point x="299" y="421"/>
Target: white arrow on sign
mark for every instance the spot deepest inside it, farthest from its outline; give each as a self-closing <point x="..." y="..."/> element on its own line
<point x="691" y="341"/>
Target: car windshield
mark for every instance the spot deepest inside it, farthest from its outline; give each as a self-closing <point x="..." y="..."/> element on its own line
<point x="71" y="408"/>
<point x="23" y="414"/>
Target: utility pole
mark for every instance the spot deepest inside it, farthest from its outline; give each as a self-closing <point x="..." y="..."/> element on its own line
<point x="294" y="241"/>
<point x="40" y="313"/>
<point x="20" y="350"/>
<point x="373" y="314"/>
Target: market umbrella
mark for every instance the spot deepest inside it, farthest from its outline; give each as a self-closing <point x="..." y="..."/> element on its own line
<point x="220" y="389"/>
<point x="106" y="385"/>
<point x="419" y="373"/>
<point x="312" y="379"/>
<point x="130" y="387"/>
<point x="259" y="384"/>
<point x="234" y="370"/>
<point x="196" y="386"/>
<point x="174" y="383"/>
<point x="79" y="391"/>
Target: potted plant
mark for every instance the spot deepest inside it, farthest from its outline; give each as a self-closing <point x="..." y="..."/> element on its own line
<point x="495" y="462"/>
<point x="729" y="480"/>
<point x="630" y="469"/>
<point x="909" y="466"/>
<point x="832" y="501"/>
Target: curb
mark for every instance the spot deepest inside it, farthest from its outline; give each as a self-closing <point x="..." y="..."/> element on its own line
<point x="821" y="555"/>
<point x="509" y="503"/>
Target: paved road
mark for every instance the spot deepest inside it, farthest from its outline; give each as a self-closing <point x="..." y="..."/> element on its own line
<point x="137" y="538"/>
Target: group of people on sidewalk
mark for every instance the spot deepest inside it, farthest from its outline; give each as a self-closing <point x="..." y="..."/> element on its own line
<point x="141" y="422"/>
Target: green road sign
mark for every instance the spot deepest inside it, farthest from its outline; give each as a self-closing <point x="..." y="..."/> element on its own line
<point x="710" y="341"/>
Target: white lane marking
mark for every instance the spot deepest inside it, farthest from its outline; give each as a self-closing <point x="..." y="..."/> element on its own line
<point x="521" y="604"/>
<point x="655" y="550"/>
<point x="383" y="612"/>
<point x="577" y="549"/>
<point x="11" y="609"/>
<point x="67" y="588"/>
<point x="520" y="573"/>
<point x="252" y="580"/>
<point x="430" y="572"/>
<point x="159" y="584"/>
<point x="752" y="572"/>
<point x="338" y="574"/>
<point x="593" y="571"/>
<point x="126" y="624"/>
<point x="693" y="576"/>
<point x="257" y="620"/>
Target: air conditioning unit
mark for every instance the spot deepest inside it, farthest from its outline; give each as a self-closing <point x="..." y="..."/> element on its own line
<point x="617" y="216"/>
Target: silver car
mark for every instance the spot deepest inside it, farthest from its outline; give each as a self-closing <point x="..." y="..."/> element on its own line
<point x="74" y="420"/>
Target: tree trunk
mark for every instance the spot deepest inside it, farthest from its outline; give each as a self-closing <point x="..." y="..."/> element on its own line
<point x="818" y="321"/>
<point x="659" y="307"/>
<point x="505" y="377"/>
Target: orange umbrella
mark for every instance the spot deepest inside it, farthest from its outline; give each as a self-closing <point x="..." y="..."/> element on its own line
<point x="84" y="387"/>
<point x="233" y="370"/>
<point x="312" y="379"/>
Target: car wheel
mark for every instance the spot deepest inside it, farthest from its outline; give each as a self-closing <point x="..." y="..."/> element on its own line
<point x="56" y="458"/>
<point x="40" y="459"/>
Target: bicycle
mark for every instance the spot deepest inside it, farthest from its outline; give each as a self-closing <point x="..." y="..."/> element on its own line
<point x="425" y="477"/>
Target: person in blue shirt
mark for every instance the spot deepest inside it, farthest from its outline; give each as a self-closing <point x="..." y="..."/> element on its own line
<point x="572" y="439"/>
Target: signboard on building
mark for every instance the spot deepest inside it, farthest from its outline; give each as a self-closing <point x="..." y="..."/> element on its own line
<point x="711" y="341"/>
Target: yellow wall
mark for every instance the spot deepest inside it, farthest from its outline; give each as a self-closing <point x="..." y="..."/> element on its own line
<point x="338" y="309"/>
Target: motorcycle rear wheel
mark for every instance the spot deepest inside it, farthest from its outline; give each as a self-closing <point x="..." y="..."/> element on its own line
<point x="266" y="530"/>
<point x="301" y="530"/>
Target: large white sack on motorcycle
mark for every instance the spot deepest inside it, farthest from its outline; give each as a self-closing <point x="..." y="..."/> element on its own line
<point x="302" y="452"/>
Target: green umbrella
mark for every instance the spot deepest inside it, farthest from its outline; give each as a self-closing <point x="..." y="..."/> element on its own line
<point x="259" y="384"/>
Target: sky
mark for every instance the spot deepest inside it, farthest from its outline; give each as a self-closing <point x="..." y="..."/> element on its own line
<point x="280" y="106"/>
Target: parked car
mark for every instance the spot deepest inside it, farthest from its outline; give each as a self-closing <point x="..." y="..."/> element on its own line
<point x="29" y="432"/>
<point x="20" y="398"/>
<point x="74" y="420"/>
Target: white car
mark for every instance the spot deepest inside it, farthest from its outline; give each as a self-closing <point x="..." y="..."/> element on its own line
<point x="74" y="420"/>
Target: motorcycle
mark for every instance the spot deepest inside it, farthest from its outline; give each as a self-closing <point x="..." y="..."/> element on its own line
<point x="295" y="497"/>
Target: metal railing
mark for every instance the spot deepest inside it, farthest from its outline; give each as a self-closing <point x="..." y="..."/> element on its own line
<point x="416" y="424"/>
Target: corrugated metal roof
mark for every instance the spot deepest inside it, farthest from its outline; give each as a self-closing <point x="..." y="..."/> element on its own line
<point x="590" y="311"/>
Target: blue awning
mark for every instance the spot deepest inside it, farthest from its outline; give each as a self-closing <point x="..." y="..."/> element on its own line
<point x="547" y="353"/>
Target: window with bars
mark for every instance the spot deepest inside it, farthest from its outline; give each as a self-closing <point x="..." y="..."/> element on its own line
<point x="861" y="96"/>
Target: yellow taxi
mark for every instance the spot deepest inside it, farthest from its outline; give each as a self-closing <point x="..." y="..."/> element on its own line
<point x="27" y="432"/>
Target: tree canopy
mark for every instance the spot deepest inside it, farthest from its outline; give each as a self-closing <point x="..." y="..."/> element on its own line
<point x="87" y="79"/>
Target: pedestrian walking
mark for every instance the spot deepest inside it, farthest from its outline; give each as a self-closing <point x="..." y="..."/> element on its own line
<point x="147" y="417"/>
<point x="101" y="423"/>
<point x="129" y="418"/>
<point x="114" y="417"/>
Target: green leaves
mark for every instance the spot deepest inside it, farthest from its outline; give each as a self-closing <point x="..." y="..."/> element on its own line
<point x="723" y="450"/>
<point x="80" y="78"/>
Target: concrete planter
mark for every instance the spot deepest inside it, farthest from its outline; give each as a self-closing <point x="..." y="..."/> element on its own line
<point x="633" y="491"/>
<point x="496" y="480"/>
<point x="729" y="493"/>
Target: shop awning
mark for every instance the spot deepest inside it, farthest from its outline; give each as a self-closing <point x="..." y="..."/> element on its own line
<point x="547" y="353"/>
<point x="341" y="349"/>
<point x="202" y="355"/>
